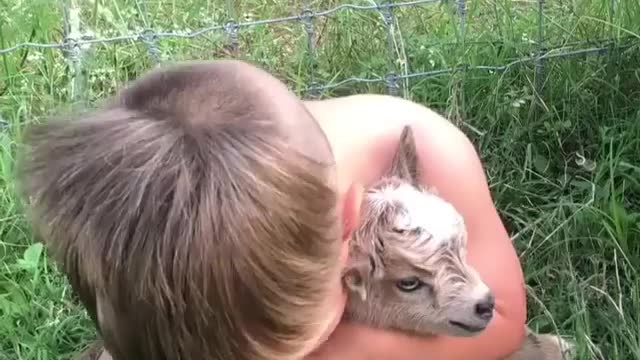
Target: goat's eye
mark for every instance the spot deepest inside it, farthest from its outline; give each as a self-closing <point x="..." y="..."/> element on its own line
<point x="399" y="231"/>
<point x="409" y="284"/>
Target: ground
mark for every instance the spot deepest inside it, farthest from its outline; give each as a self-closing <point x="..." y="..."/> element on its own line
<point x="562" y="162"/>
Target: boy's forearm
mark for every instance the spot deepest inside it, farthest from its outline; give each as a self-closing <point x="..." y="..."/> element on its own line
<point x="499" y="340"/>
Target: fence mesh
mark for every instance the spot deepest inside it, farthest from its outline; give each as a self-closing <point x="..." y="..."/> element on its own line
<point x="76" y="43"/>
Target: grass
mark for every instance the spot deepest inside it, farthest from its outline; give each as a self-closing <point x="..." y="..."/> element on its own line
<point x="562" y="163"/>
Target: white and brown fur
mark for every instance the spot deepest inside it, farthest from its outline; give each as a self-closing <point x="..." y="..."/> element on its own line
<point x="407" y="267"/>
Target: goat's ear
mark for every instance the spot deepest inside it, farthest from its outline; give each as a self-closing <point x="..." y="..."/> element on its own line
<point x="354" y="281"/>
<point x="351" y="210"/>
<point x="361" y="270"/>
<point x="405" y="160"/>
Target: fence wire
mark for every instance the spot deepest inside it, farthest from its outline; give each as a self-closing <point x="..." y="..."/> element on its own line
<point x="75" y="42"/>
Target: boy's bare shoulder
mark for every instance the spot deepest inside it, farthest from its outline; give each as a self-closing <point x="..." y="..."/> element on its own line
<point x="377" y="115"/>
<point x="374" y="105"/>
<point x="367" y="126"/>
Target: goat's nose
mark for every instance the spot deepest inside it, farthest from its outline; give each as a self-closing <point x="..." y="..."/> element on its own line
<point x="484" y="308"/>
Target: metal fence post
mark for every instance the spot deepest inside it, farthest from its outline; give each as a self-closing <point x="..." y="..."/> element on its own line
<point x="72" y="50"/>
<point x="391" y="79"/>
<point x="306" y="17"/>
<point x="148" y="35"/>
<point x="231" y="28"/>
<point x="540" y="61"/>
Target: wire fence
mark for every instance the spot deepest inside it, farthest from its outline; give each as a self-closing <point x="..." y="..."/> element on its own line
<point x="75" y="43"/>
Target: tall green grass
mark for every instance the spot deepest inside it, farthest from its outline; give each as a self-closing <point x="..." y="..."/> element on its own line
<point x="562" y="163"/>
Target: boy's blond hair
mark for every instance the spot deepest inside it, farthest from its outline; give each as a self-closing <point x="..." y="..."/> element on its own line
<point x="188" y="217"/>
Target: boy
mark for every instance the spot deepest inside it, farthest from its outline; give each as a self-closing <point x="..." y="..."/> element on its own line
<point x="204" y="213"/>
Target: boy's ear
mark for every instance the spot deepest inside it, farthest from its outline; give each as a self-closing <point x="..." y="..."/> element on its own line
<point x="351" y="210"/>
<point x="405" y="161"/>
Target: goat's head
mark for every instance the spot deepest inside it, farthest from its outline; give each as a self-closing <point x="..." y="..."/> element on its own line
<point x="407" y="265"/>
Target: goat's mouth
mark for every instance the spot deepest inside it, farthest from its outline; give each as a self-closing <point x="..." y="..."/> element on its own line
<point x="466" y="327"/>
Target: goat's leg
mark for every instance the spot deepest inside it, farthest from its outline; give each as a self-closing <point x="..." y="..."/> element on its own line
<point x="543" y="347"/>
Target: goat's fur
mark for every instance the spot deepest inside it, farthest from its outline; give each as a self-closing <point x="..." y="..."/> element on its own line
<point x="407" y="267"/>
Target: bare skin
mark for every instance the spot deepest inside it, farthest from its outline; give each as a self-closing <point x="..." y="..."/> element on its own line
<point x="363" y="131"/>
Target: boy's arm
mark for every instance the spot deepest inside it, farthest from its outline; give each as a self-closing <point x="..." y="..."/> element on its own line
<point x="450" y="163"/>
<point x="459" y="177"/>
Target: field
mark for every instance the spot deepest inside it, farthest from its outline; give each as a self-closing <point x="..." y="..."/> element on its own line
<point x="561" y="146"/>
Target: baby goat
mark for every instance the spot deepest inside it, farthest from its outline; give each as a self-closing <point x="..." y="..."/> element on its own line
<point x="407" y="265"/>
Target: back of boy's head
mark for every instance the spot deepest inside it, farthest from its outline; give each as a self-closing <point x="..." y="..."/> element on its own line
<point x="195" y="216"/>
